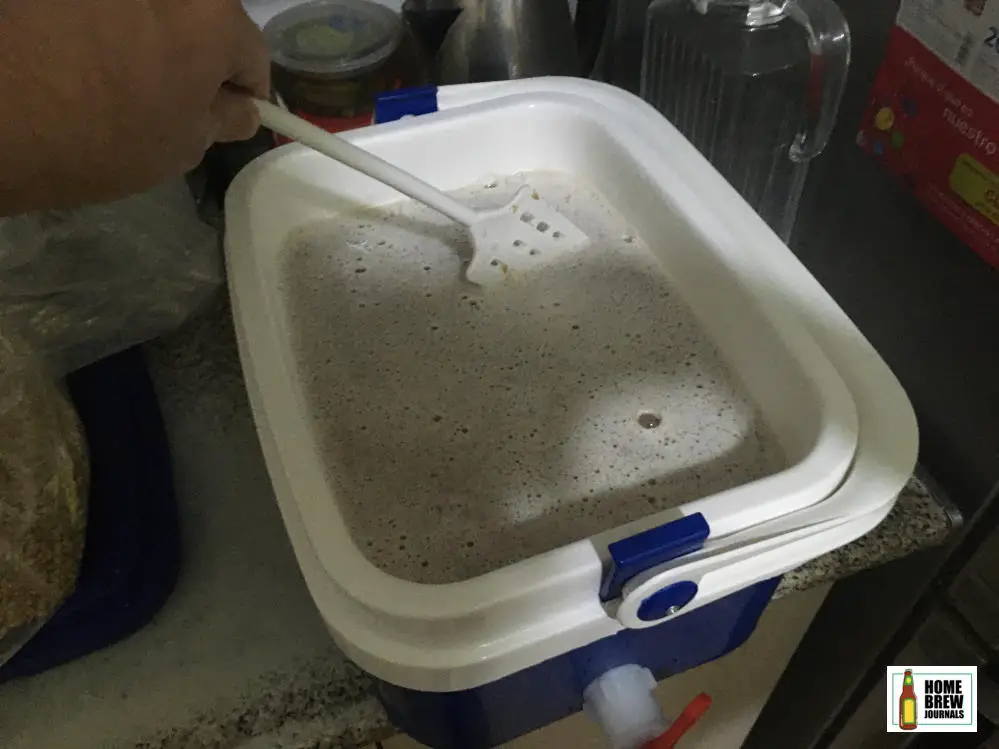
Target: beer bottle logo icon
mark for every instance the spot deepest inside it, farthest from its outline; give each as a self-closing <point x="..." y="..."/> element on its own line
<point x="907" y="703"/>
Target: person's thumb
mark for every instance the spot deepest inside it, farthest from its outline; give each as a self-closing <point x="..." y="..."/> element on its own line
<point x="234" y="116"/>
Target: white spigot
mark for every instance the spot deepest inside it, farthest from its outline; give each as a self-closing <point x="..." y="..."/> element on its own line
<point x="622" y="702"/>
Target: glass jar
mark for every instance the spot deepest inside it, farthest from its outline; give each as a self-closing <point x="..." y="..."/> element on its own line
<point x="330" y="58"/>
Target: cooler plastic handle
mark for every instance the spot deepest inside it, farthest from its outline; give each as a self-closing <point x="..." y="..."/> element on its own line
<point x="737" y="562"/>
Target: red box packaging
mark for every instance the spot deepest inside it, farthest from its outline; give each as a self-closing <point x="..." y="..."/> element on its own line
<point x="933" y="117"/>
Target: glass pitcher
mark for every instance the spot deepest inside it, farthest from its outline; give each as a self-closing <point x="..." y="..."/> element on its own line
<point x="754" y="84"/>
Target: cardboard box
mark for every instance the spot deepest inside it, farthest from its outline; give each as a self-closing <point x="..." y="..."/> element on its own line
<point x="933" y="117"/>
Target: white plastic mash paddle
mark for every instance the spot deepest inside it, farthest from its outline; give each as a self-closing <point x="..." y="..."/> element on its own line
<point x="512" y="238"/>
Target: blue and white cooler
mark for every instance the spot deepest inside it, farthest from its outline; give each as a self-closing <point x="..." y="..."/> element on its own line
<point x="508" y="500"/>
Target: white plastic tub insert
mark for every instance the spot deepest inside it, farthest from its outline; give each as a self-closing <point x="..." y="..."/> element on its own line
<point x="452" y="462"/>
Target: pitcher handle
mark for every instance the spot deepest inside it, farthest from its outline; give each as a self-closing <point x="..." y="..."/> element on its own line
<point x="829" y="43"/>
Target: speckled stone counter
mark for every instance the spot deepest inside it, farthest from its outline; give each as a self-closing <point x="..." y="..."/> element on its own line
<point x="917" y="521"/>
<point x="238" y="658"/>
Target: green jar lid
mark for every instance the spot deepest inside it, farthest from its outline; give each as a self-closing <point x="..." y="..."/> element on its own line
<point x="339" y="38"/>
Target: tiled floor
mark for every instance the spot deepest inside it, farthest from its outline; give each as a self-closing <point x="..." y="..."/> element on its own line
<point x="739" y="683"/>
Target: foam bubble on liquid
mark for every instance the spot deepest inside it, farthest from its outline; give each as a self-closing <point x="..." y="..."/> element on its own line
<point x="491" y="424"/>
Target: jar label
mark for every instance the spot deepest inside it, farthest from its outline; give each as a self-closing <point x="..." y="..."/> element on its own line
<point x="330" y="124"/>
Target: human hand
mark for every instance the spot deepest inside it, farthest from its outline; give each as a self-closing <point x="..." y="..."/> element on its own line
<point x="102" y="98"/>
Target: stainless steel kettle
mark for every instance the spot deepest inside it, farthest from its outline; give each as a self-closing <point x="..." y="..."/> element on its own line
<point x="502" y="39"/>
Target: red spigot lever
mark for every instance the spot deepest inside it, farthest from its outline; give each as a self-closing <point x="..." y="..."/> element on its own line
<point x="683" y="723"/>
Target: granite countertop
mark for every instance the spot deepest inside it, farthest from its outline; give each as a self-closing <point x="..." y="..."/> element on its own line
<point x="238" y="657"/>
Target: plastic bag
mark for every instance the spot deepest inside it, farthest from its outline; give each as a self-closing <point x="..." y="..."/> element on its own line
<point x="80" y="285"/>
<point x="43" y="489"/>
<point x="76" y="286"/>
